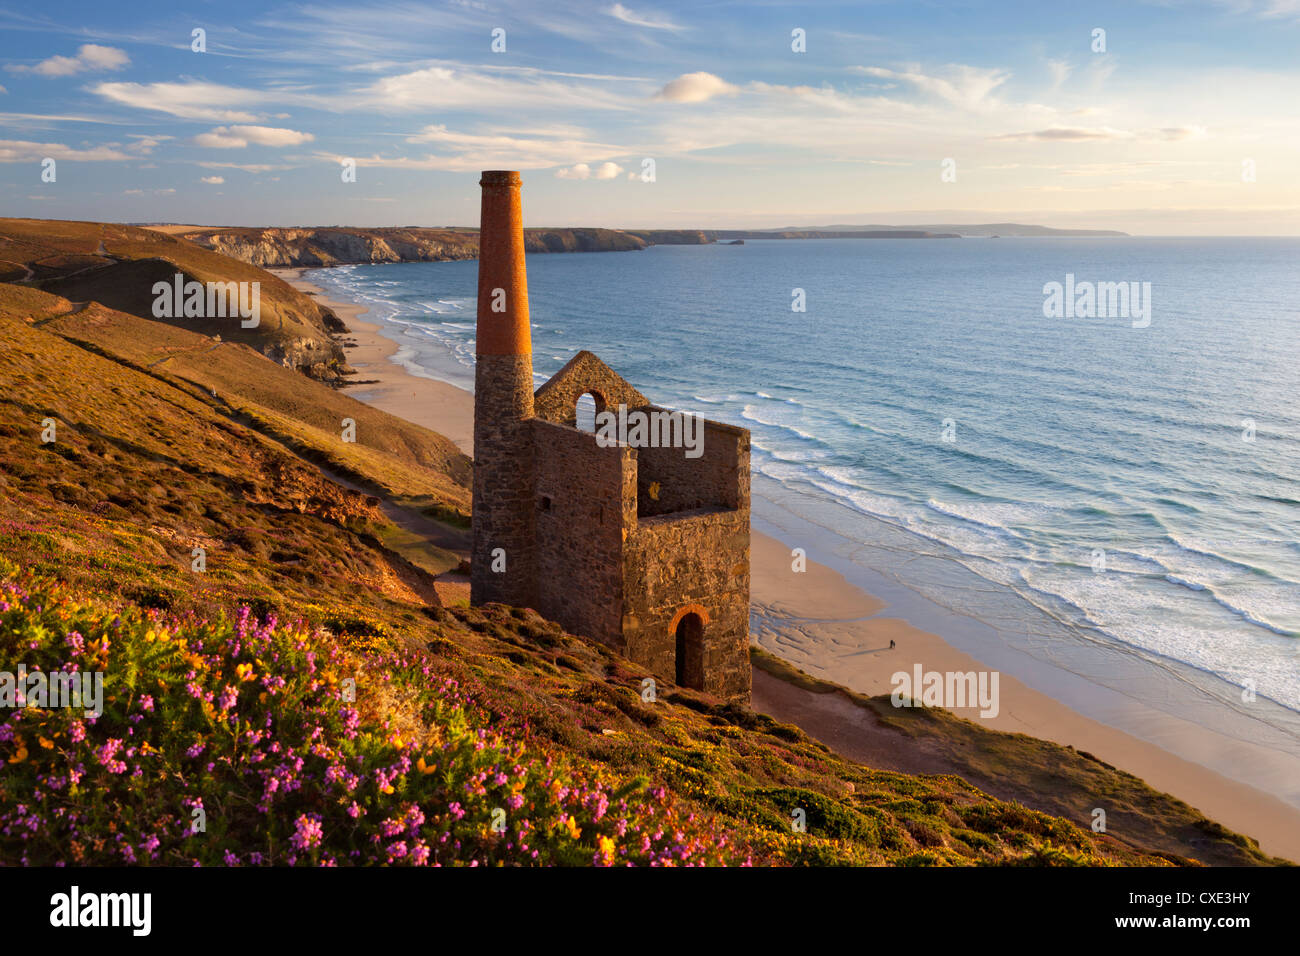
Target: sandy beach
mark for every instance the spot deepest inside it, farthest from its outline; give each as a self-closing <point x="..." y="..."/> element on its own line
<point x="823" y="624"/>
<point x="436" y="405"/>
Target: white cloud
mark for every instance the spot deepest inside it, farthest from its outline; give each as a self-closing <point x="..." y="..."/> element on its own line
<point x="213" y="180"/>
<point x="584" y="171"/>
<point x="238" y="137"/>
<point x="652" y="21"/>
<point x="246" y="167"/>
<point x="190" y="100"/>
<point x="17" y="151"/>
<point x="89" y="58"/>
<point x="694" y="88"/>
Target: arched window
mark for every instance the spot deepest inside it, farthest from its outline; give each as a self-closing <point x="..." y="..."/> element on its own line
<point x="690" y="651"/>
<point x="590" y="403"/>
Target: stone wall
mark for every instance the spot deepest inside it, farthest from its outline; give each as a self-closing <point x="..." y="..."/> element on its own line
<point x="580" y="490"/>
<point x="503" y="480"/>
<point x="672" y="562"/>
<point x="679" y="483"/>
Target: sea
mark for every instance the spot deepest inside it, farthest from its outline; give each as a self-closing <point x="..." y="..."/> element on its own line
<point x="1110" y="495"/>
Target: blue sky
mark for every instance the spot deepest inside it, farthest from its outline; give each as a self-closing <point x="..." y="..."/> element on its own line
<point x="1154" y="135"/>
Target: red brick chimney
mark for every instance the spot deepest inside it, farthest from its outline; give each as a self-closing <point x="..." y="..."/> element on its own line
<point x="503" y="520"/>
<point x="502" y="279"/>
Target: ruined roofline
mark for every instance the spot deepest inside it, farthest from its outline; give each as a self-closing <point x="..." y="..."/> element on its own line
<point x="579" y="377"/>
<point x="710" y="423"/>
<point x="577" y="373"/>
<point x="733" y="430"/>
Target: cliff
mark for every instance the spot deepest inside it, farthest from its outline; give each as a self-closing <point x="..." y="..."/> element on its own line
<point x="331" y="246"/>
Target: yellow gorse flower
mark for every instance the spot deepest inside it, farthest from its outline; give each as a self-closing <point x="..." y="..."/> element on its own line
<point x="605" y="847"/>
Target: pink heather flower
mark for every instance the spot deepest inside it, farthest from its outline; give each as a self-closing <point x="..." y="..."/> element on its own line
<point x="308" y="832"/>
<point x="78" y="732"/>
<point x="107" y="753"/>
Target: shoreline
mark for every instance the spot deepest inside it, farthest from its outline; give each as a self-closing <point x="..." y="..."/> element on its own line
<point x="824" y="624"/>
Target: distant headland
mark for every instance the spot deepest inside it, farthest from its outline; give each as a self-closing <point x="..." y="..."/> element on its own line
<point x="316" y="246"/>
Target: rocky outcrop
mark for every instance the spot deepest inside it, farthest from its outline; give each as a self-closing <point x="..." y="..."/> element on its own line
<point x="329" y="246"/>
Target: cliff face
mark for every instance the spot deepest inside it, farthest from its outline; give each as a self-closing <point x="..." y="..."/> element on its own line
<point x="278" y="247"/>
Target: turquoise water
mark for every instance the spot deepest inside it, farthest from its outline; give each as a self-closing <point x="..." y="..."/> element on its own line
<point x="1109" y="493"/>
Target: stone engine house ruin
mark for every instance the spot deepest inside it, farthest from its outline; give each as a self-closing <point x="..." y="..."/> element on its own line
<point x="641" y="548"/>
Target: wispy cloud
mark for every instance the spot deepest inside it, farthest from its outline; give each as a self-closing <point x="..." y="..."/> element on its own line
<point x="966" y="86"/>
<point x="18" y="151"/>
<point x="1080" y="134"/>
<point x="652" y="21"/>
<point x="188" y="99"/>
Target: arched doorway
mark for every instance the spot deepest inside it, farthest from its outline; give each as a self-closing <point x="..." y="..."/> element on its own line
<point x="690" y="651"/>
<point x="589" y="404"/>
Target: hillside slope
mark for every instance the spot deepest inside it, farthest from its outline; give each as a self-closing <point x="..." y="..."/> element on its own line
<point x="118" y="266"/>
<point x="168" y="446"/>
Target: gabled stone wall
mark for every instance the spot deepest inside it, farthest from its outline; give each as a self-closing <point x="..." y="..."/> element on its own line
<point x="556" y="401"/>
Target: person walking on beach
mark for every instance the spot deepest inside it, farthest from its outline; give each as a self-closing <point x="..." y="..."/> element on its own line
<point x="891" y="644"/>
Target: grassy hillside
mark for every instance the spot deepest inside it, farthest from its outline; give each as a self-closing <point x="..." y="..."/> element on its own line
<point x="323" y="562"/>
<point x="117" y="266"/>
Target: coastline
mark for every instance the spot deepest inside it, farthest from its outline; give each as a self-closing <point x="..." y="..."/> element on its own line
<point x="436" y="405"/>
<point x="822" y="623"/>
